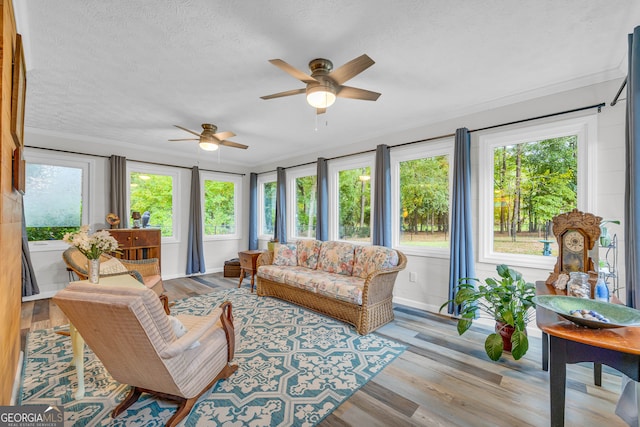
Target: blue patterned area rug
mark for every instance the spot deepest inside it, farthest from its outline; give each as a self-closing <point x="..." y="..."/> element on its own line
<point x="294" y="368"/>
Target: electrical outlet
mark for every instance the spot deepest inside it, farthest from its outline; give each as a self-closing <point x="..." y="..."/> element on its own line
<point x="413" y="276"/>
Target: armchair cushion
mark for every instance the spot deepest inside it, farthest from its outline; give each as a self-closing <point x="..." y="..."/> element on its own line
<point x="180" y="330"/>
<point x="112" y="266"/>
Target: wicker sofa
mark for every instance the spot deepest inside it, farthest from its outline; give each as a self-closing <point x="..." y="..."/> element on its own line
<point x="351" y="283"/>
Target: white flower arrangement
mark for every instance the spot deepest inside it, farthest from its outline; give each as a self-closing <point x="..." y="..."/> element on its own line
<point x="91" y="245"/>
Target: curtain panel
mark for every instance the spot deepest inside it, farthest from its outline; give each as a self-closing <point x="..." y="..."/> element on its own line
<point x="382" y="197"/>
<point x="322" y="222"/>
<point x="461" y="260"/>
<point x="118" y="193"/>
<point x="29" y="282"/>
<point x="195" y="247"/>
<point x="281" y="206"/>
<point x="632" y="180"/>
<point x="253" y="211"/>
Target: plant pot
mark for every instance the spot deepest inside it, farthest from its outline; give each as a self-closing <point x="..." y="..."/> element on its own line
<point x="505" y="331"/>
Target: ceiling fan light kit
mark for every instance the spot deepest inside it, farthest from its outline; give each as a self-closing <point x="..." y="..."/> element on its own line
<point x="321" y="95"/>
<point x="209" y="139"/>
<point x="208" y="146"/>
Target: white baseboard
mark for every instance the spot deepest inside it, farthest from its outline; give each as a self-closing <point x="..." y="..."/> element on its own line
<point x="416" y="304"/>
<point x="16" y="381"/>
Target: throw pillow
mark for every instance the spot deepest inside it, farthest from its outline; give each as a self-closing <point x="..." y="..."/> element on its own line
<point x="179" y="329"/>
<point x="112" y="266"/>
<point x="285" y="254"/>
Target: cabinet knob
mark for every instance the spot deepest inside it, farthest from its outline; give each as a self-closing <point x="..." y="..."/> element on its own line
<point x="137" y="237"/>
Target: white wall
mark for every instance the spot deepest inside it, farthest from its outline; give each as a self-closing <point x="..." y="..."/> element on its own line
<point x="431" y="288"/>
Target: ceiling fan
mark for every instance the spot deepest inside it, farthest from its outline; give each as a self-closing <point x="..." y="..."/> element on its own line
<point x="324" y="85"/>
<point x="209" y="140"/>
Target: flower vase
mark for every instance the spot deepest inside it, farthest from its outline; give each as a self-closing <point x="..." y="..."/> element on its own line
<point x="94" y="270"/>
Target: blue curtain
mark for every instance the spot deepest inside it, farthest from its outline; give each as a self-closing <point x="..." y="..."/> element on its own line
<point x="382" y="198"/>
<point x="253" y="211"/>
<point x="195" y="250"/>
<point x="118" y="193"/>
<point x="632" y="202"/>
<point x="462" y="262"/>
<point x="281" y="206"/>
<point x="322" y="225"/>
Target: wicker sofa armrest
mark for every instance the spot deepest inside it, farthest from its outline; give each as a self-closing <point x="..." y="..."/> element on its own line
<point x="379" y="284"/>
<point x="265" y="258"/>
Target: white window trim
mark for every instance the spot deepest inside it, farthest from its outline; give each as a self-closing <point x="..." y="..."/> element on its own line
<point x="88" y="167"/>
<point x="443" y="147"/>
<point x="237" y="203"/>
<point x="176" y="200"/>
<point x="292" y="176"/>
<point x="263" y="179"/>
<point x="334" y="167"/>
<point x="586" y="130"/>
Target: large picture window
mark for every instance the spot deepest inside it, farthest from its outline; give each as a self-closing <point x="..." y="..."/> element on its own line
<point x="221" y="213"/>
<point x="350" y="199"/>
<point x="303" y="204"/>
<point x="421" y="183"/>
<point x="153" y="190"/>
<point x="529" y="176"/>
<point x="56" y="195"/>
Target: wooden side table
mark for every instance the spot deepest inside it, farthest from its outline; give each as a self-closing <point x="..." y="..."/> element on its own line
<point x="248" y="265"/>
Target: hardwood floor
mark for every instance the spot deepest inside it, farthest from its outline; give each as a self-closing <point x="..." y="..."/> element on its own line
<point x="442" y="379"/>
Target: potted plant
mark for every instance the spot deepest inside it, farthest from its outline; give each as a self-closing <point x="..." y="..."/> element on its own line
<point x="509" y="301"/>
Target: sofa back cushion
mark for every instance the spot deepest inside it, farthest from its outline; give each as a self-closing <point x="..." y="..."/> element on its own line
<point x="308" y="253"/>
<point x="336" y="257"/>
<point x="371" y="258"/>
<point x="285" y="254"/>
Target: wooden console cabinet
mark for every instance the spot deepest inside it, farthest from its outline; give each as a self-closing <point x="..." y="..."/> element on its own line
<point x="138" y="243"/>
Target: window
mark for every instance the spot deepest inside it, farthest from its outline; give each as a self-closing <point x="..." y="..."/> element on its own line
<point x="266" y="205"/>
<point x="421" y="182"/>
<point x="528" y="176"/>
<point x="350" y="199"/>
<point x="221" y="210"/>
<point x="153" y="190"/>
<point x="302" y="203"/>
<point x="56" y="195"/>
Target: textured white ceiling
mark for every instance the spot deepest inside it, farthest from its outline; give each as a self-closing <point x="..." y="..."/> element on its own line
<point x="126" y="71"/>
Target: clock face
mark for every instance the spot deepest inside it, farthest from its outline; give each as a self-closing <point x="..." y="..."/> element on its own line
<point x="574" y="241"/>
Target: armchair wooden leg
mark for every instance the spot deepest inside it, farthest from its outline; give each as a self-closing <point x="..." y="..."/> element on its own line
<point x="183" y="410"/>
<point x="132" y="397"/>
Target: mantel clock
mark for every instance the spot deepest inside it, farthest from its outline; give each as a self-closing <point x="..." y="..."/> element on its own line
<point x="576" y="233"/>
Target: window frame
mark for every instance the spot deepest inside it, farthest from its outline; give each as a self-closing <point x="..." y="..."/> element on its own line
<point x="292" y="176"/>
<point x="262" y="180"/>
<point x="421" y="151"/>
<point x="151" y="169"/>
<point x="585" y="128"/>
<point x="237" y="203"/>
<point x="88" y="166"/>
<point x="334" y="168"/>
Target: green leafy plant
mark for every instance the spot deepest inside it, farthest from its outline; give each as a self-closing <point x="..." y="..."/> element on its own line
<point x="508" y="300"/>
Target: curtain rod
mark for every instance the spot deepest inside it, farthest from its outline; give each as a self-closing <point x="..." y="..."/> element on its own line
<point x="133" y="160"/>
<point x="598" y="106"/>
<point x="615" y="99"/>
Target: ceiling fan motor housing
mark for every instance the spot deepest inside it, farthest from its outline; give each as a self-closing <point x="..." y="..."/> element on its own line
<point x="321" y="94"/>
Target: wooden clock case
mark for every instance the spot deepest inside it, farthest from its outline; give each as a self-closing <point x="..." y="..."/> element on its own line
<point x="586" y="224"/>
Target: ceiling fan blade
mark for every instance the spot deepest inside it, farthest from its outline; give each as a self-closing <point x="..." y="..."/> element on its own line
<point x="187" y="130"/>
<point x="189" y="139"/>
<point x="351" y="69"/>
<point x="292" y="71"/>
<point x="320" y="111"/>
<point x="287" y="93"/>
<point x="355" y="93"/>
<point x="224" y="135"/>
<point x="233" y="144"/>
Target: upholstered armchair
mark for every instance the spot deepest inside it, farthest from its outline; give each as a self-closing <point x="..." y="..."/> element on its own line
<point x="132" y="336"/>
<point x="147" y="271"/>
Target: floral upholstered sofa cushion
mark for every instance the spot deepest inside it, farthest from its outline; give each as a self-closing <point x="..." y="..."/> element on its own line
<point x="308" y="253"/>
<point x="285" y="254"/>
<point x="337" y="257"/>
<point x="371" y="258"/>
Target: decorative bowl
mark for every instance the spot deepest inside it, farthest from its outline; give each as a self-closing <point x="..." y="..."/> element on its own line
<point x="619" y="315"/>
